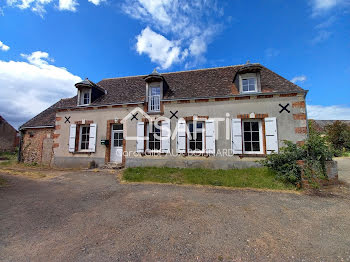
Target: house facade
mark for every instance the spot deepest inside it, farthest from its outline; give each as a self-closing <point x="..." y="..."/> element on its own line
<point x="225" y="117"/>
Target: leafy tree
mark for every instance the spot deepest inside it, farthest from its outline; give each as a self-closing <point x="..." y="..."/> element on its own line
<point x="338" y="135"/>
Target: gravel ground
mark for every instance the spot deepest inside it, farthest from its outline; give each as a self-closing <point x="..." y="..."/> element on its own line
<point x="87" y="216"/>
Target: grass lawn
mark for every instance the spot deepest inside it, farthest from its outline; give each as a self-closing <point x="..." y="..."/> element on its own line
<point x="249" y="177"/>
<point x="8" y="158"/>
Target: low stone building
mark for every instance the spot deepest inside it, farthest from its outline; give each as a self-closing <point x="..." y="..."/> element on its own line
<point x="224" y="117"/>
<point x="37" y="136"/>
<point x="8" y="136"/>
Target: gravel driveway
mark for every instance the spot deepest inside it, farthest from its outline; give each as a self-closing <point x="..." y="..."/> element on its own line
<point x="87" y="216"/>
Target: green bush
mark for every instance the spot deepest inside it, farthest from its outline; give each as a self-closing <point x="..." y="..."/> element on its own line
<point x="315" y="152"/>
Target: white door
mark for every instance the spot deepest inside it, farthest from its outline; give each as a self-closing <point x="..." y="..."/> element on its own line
<point x="117" y="143"/>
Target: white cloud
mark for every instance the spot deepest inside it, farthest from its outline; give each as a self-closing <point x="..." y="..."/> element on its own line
<point x="28" y="87"/>
<point x="187" y="23"/>
<point x="69" y="5"/>
<point x="96" y="2"/>
<point x="336" y="112"/>
<point x="321" y="36"/>
<point x="158" y="48"/>
<point x="323" y="6"/>
<point x="38" y="6"/>
<point x="301" y="79"/>
<point x="4" y="47"/>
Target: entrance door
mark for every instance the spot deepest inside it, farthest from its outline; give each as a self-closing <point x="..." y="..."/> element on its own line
<point x="117" y="143"/>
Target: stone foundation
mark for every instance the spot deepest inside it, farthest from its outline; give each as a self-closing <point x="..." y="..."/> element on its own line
<point x="331" y="170"/>
<point x="192" y="162"/>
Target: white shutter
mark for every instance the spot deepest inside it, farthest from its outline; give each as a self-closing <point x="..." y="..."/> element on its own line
<point x="271" y="135"/>
<point x="236" y="136"/>
<point x="181" y="137"/>
<point x="92" y="138"/>
<point x="210" y="137"/>
<point x="72" y="134"/>
<point x="140" y="132"/>
<point x="165" y="129"/>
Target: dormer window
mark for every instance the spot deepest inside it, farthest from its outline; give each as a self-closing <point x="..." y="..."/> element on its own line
<point x="249" y="84"/>
<point x="85" y="97"/>
<point x="154" y="98"/>
<point x="88" y="92"/>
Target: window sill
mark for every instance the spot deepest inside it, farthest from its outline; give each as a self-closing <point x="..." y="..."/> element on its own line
<point x="82" y="152"/>
<point x="154" y="112"/>
<point x="251" y="155"/>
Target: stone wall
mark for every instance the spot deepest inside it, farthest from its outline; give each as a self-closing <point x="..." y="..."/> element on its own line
<point x="37" y="146"/>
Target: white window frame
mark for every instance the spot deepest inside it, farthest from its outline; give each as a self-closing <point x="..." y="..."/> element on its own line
<point x="118" y="131"/>
<point x="81" y="136"/>
<point x="203" y="138"/>
<point x="260" y="137"/>
<point x="82" y="98"/>
<point x="247" y="77"/>
<point x="160" y="138"/>
<point x="154" y="100"/>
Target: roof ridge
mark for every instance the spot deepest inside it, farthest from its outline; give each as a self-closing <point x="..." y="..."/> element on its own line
<point x="182" y="71"/>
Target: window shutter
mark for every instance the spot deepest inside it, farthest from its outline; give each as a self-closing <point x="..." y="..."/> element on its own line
<point x="92" y="138"/>
<point x="181" y="137"/>
<point x="236" y="136"/>
<point x="140" y="132"/>
<point x="210" y="137"/>
<point x="271" y="135"/>
<point x="72" y="134"/>
<point x="165" y="129"/>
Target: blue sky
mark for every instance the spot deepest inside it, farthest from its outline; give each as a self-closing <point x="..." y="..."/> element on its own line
<point x="48" y="45"/>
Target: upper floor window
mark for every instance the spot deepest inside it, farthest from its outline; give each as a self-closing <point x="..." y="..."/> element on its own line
<point x="85" y="97"/>
<point x="154" y="98"/>
<point x="249" y="84"/>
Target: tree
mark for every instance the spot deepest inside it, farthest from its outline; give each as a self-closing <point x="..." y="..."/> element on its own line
<point x="338" y="135"/>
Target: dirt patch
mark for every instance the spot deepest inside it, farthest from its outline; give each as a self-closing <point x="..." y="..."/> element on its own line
<point x="90" y="216"/>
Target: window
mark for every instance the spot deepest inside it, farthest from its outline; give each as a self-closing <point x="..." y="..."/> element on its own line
<point x="196" y="137"/>
<point x="85" y="97"/>
<point x="249" y="84"/>
<point x="84" y="137"/>
<point x="154" y="137"/>
<point x="154" y="98"/>
<point x="118" y="135"/>
<point x="252" y="137"/>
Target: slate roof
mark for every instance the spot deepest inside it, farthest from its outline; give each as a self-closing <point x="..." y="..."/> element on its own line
<point x="212" y="82"/>
<point x="202" y="83"/>
<point x="48" y="116"/>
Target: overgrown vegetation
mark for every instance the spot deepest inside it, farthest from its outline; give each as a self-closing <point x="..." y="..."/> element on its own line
<point x="315" y="152"/>
<point x="249" y="177"/>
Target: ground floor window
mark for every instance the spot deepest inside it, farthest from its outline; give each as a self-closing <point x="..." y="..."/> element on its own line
<point x="196" y="137"/>
<point x="117" y="135"/>
<point x="154" y="137"/>
<point x="84" y="137"/>
<point x="252" y="137"/>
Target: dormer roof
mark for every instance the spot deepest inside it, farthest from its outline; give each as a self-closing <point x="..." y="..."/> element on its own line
<point x="155" y="76"/>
